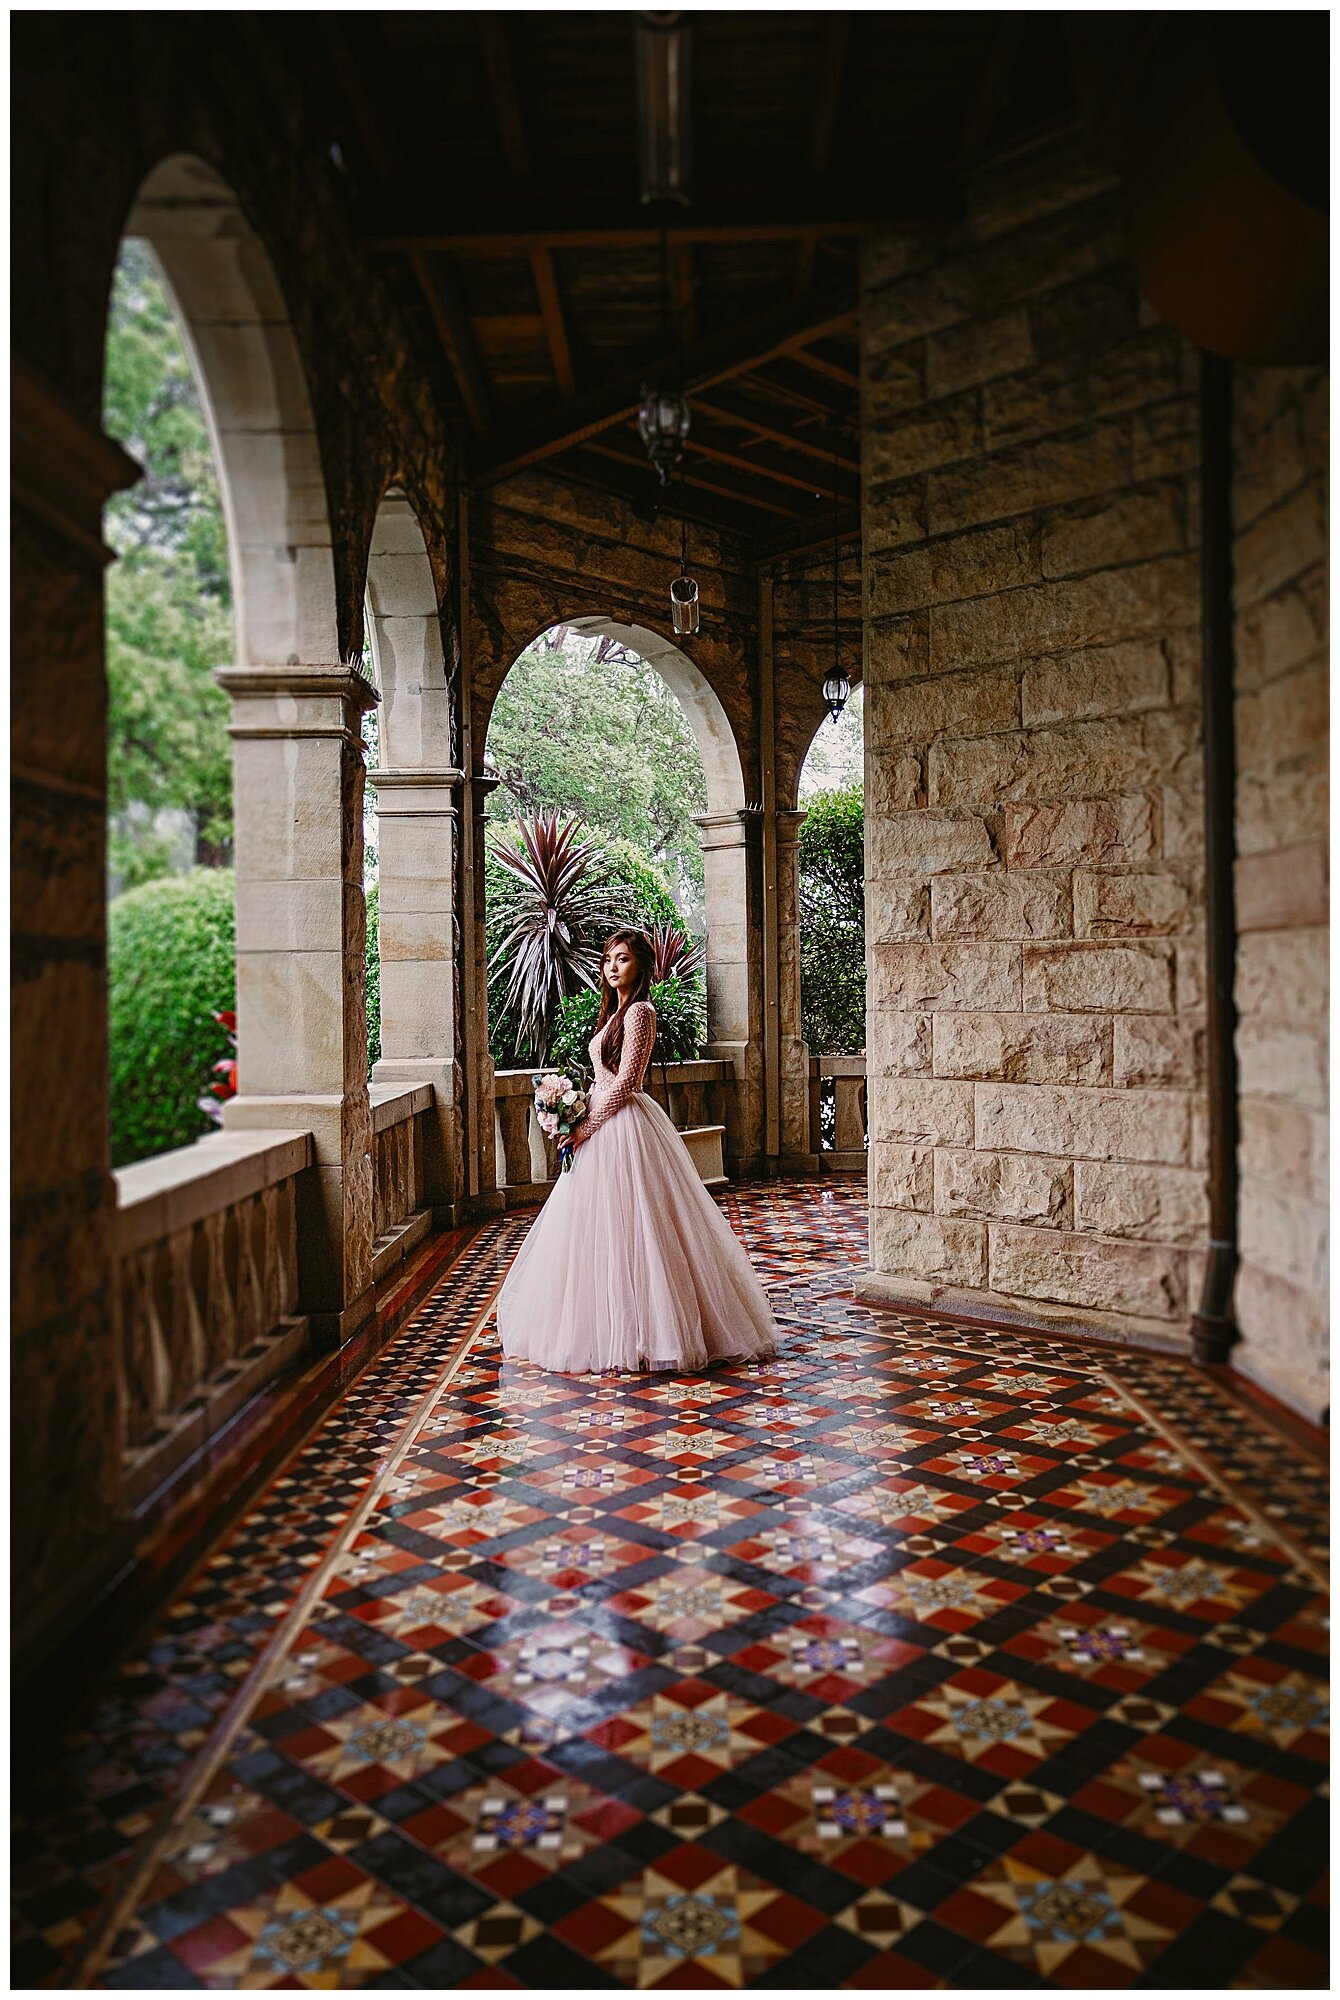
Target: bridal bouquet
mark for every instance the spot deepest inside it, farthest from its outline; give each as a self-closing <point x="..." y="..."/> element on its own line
<point x="559" y="1106"/>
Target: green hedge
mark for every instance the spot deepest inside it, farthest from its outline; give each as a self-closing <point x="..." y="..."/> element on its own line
<point x="832" y="922"/>
<point x="170" y="965"/>
<point x="681" y="1026"/>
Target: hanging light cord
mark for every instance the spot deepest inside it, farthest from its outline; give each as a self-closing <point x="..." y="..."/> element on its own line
<point x="836" y="667"/>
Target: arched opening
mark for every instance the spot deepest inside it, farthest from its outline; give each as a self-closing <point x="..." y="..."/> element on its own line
<point x="830" y="930"/>
<point x="688" y="748"/>
<point x="643" y="791"/>
<point x="414" y="936"/>
<point x="297" y="764"/>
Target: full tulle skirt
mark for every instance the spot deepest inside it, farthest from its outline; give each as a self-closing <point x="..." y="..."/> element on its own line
<point x="630" y="1264"/>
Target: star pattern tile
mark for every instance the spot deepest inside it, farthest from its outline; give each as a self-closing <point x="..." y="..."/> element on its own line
<point x="919" y="1656"/>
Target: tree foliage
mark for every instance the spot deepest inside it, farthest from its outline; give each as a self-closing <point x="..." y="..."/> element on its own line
<point x="581" y="722"/>
<point x="169" y="617"/>
<point x="170" y="968"/>
<point x="832" y="922"/>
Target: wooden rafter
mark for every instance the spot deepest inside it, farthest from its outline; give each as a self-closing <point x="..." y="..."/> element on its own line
<point x="832" y="62"/>
<point x="688" y="475"/>
<point x="793" y="440"/>
<point x="709" y="361"/>
<point x="452" y="321"/>
<point x="555" y="326"/>
<point x="821" y="365"/>
<point x="506" y="103"/>
<point x="819" y="533"/>
<point x="519" y="221"/>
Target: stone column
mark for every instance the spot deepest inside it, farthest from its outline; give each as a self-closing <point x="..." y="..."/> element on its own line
<point x="64" y="1367"/>
<point x="486" y="1197"/>
<point x="301" y="949"/>
<point x="418" y="937"/>
<point x="796" y="1154"/>
<point x="732" y="875"/>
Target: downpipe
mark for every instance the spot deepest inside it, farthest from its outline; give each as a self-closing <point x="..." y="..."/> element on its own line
<point x="1213" y="1327"/>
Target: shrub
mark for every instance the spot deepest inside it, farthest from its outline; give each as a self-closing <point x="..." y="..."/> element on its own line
<point x="681" y="1026"/>
<point x="170" y="969"/>
<point x="832" y="922"/>
<point x="625" y="880"/>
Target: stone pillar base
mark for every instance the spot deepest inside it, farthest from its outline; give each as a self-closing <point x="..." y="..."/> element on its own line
<point x="1015" y="1315"/>
<point x="331" y="1330"/>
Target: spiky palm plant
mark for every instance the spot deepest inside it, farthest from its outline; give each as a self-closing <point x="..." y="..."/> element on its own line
<point x="677" y="956"/>
<point x="550" y="932"/>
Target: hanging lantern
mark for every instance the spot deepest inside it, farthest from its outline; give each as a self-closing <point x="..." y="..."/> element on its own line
<point x="836" y="689"/>
<point x="663" y="425"/>
<point x="684" y="606"/>
<point x="684" y="591"/>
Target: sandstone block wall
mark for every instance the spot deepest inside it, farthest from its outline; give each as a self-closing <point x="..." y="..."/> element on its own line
<point x="1034" y="844"/>
<point x="1280" y="544"/>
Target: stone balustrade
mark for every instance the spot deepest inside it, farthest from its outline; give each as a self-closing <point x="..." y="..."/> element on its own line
<point x="207" y="1291"/>
<point x="693" y="1093"/>
<point x="401" y="1217"/>
<point x="837" y="1093"/>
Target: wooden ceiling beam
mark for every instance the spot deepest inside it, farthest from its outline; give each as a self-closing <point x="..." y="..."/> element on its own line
<point x="638" y="491"/>
<point x="555" y="326"/>
<point x="729" y="353"/>
<point x="684" y="290"/>
<point x="786" y="392"/>
<point x="819" y="533"/>
<point x="810" y="483"/>
<point x="820" y="365"/>
<point x="793" y="441"/>
<point x="447" y="306"/>
<point x="506" y="102"/>
<point x="519" y="220"/>
<point x="832" y="63"/>
<point x="686" y="475"/>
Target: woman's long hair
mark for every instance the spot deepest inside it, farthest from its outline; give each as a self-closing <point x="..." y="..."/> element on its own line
<point x="639" y="946"/>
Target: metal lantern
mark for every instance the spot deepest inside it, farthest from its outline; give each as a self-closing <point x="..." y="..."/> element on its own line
<point x="836" y="689"/>
<point x="684" y="606"/>
<point x="663" y="425"/>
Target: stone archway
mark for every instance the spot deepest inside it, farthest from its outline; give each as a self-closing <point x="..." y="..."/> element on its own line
<point x="418" y="787"/>
<point x="297" y="763"/>
<point x="729" y="833"/>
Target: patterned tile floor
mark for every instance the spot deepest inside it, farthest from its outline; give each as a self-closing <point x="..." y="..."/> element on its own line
<point x="921" y="1656"/>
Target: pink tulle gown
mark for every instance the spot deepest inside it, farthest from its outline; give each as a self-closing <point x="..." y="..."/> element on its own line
<point x="630" y="1263"/>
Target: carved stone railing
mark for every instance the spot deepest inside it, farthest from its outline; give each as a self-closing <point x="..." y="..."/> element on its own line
<point x="528" y="1161"/>
<point x="207" y="1288"/>
<point x="400" y="1219"/>
<point x="838" y="1112"/>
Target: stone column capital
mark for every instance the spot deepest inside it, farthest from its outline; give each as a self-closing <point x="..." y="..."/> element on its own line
<point x="411" y="794"/>
<point x="297" y="701"/>
<point x="790" y="821"/>
<point x="727" y="829"/>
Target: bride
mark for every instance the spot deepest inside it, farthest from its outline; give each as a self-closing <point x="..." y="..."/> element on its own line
<point x="630" y="1263"/>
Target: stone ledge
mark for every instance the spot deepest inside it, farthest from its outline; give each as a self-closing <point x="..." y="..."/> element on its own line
<point x="1016" y="1315"/>
<point x="157" y="1197"/>
<point x="394" y="1103"/>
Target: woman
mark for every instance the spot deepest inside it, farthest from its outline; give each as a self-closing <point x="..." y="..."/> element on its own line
<point x="630" y="1263"/>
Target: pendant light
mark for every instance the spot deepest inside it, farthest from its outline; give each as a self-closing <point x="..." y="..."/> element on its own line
<point x="837" y="687"/>
<point x="663" y="418"/>
<point x="684" y="590"/>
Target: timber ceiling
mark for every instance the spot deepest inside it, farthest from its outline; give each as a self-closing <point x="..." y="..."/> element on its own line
<point x="492" y="159"/>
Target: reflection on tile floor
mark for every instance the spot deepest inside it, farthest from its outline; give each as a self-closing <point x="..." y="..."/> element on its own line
<point x="920" y="1656"/>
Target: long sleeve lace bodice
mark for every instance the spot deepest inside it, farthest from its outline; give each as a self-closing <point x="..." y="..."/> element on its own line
<point x="610" y="1092"/>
